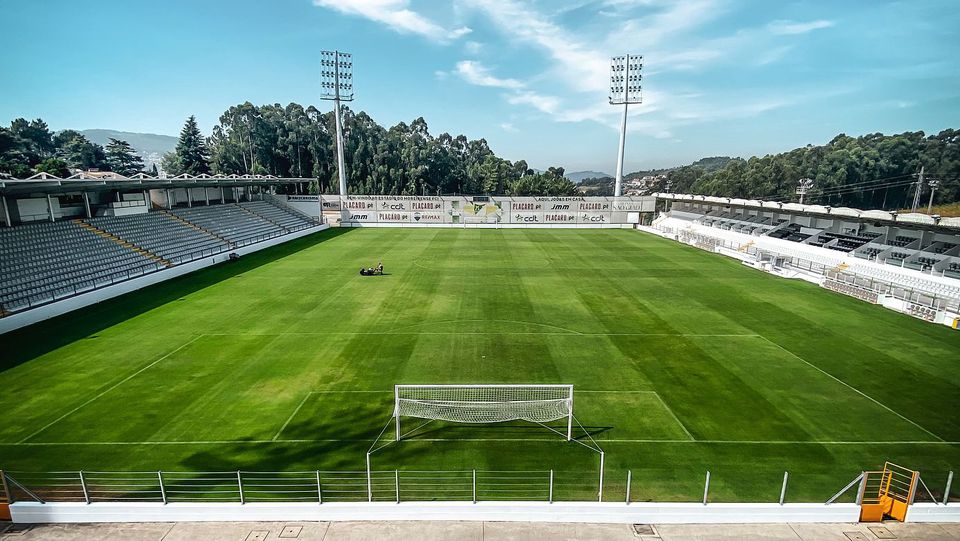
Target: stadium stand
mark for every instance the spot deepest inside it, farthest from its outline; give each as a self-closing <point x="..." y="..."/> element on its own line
<point x="163" y="235"/>
<point x="915" y="263"/>
<point x="45" y="262"/>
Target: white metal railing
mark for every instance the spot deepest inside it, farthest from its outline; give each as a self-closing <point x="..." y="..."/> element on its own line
<point x="321" y="487"/>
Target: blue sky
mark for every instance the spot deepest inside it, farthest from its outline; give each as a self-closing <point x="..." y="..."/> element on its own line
<point x="721" y="77"/>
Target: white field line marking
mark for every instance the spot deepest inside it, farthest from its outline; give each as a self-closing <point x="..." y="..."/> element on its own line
<point x="292" y="415"/>
<point x="511" y="333"/>
<point x="262" y="442"/>
<point x="851" y="387"/>
<point x="391" y="391"/>
<point x="112" y="387"/>
<point x="675" y="418"/>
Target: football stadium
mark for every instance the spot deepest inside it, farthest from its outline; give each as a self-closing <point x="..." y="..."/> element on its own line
<point x="280" y="367"/>
<point x="307" y="316"/>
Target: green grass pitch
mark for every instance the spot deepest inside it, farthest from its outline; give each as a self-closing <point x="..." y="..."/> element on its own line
<point x="682" y="362"/>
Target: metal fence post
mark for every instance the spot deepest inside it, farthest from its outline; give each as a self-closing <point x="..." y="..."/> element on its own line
<point x="163" y="492"/>
<point x="83" y="485"/>
<point x="863" y="487"/>
<point x="9" y="495"/>
<point x="240" y="487"/>
<point x="474" y="486"/>
<point x="914" y="481"/>
<point x="550" y="492"/>
<point x="946" y="491"/>
<point x="319" y="489"/>
<point x="396" y="479"/>
<point x="369" y="482"/>
<point x="706" y="488"/>
<point x="629" y="479"/>
<point x="600" y="492"/>
<point x="783" y="489"/>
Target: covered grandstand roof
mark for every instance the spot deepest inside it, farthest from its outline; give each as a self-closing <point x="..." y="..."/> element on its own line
<point x="94" y="181"/>
<point x="910" y="218"/>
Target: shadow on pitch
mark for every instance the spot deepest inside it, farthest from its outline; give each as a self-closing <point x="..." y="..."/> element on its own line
<point x="500" y="431"/>
<point x="31" y="342"/>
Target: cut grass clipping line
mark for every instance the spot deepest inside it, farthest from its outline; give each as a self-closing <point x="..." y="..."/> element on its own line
<point x="112" y="387"/>
<point x="851" y="387"/>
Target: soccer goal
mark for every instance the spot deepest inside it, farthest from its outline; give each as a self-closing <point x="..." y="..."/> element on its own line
<point x="484" y="403"/>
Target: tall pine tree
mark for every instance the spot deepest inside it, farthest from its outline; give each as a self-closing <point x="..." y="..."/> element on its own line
<point x="122" y="158"/>
<point x="191" y="153"/>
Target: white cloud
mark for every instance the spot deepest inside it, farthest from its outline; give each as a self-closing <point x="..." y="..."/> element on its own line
<point x="396" y="15"/>
<point x="542" y="103"/>
<point x="476" y="73"/>
<point x="506" y="126"/>
<point x="473" y="47"/>
<point x="785" y="27"/>
<point x="772" y="55"/>
<point x="666" y="32"/>
<point x="582" y="67"/>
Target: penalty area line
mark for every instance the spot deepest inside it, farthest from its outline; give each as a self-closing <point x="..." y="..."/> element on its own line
<point x="851" y="387"/>
<point x="292" y="415"/>
<point x="112" y="387"/>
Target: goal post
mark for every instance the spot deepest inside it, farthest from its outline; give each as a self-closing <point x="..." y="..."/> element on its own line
<point x="485" y="403"/>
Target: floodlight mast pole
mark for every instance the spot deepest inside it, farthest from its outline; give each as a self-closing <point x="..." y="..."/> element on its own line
<point x="333" y="82"/>
<point x="623" y="91"/>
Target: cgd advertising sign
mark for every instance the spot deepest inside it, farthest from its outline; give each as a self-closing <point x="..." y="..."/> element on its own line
<point x="463" y="210"/>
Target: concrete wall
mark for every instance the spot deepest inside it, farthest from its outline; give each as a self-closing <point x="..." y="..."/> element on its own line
<point x="33" y="209"/>
<point x="646" y="513"/>
<point x="931" y="512"/>
<point x="47" y="311"/>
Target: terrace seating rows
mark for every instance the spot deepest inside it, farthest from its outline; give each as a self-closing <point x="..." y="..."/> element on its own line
<point x="41" y="263"/>
<point x="161" y="234"/>
<point x="283" y="217"/>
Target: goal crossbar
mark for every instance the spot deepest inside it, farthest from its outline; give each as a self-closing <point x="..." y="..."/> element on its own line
<point x="538" y="403"/>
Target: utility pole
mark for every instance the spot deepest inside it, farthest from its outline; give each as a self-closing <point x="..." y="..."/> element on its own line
<point x="934" y="182"/>
<point x="336" y="83"/>
<point x="803" y="185"/>
<point x="624" y="89"/>
<point x="916" y="193"/>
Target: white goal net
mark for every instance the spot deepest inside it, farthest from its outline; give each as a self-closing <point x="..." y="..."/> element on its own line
<point x="485" y="403"/>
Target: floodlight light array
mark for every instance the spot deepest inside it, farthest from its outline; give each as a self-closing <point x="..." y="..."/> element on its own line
<point x="336" y="75"/>
<point x="625" y="79"/>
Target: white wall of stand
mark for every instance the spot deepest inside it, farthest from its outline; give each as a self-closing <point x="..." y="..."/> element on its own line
<point x="591" y="512"/>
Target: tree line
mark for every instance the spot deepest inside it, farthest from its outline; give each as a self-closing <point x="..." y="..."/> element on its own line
<point x="294" y="141"/>
<point x="29" y="147"/>
<point x="871" y="171"/>
<point x="405" y="159"/>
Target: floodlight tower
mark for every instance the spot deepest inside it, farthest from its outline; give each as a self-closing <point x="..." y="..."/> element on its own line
<point x="336" y="83"/>
<point x="803" y="185"/>
<point x="624" y="89"/>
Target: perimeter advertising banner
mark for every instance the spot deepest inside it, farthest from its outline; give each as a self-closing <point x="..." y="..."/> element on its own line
<point x="489" y="209"/>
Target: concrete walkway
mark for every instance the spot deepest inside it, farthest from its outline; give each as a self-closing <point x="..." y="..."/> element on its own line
<point x="472" y="531"/>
